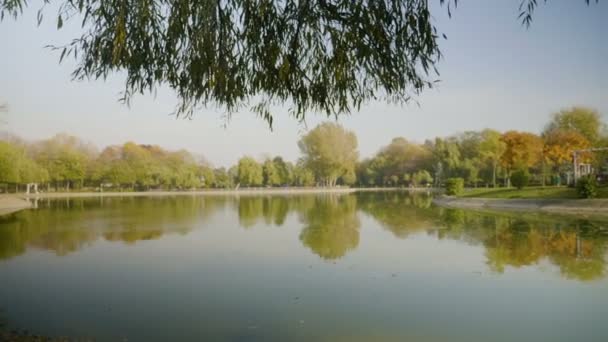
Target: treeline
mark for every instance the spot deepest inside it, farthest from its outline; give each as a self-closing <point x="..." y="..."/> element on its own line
<point x="64" y="163"/>
<point x="329" y="158"/>
<point x="489" y="157"/>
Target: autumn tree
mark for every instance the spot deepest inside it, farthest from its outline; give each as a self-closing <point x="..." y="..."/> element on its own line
<point x="522" y="150"/>
<point x="330" y="151"/>
<point x="559" y="146"/>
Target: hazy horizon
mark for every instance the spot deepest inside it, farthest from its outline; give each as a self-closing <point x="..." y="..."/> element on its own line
<point x="494" y="74"/>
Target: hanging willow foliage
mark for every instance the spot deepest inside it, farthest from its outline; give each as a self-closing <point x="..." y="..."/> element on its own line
<point x="327" y="56"/>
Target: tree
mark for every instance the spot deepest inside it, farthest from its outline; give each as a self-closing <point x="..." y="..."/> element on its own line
<point x="559" y="145"/>
<point x="250" y="173"/>
<point x="422" y="177"/>
<point x="271" y="175"/>
<point x="522" y="150"/>
<point x="520" y="178"/>
<point x="330" y="151"/>
<point x="328" y="56"/>
<point x="207" y="176"/>
<point x="223" y="179"/>
<point x="10" y="160"/>
<point x="399" y="157"/>
<point x="140" y="163"/>
<point x="446" y="158"/>
<point x="65" y="158"/>
<point x="119" y="173"/>
<point x="584" y="121"/>
<point x="284" y="170"/>
<point x="303" y="176"/>
<point x="491" y="149"/>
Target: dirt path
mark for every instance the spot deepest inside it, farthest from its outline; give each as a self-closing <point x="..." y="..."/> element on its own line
<point x="10" y="204"/>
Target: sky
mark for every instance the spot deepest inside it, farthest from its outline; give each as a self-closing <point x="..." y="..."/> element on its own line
<point x="495" y="73"/>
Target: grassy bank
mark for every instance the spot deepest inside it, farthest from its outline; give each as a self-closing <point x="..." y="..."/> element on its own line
<point x="546" y="192"/>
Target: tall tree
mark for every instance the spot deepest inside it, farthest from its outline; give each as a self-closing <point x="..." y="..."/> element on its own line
<point x="584" y="121"/>
<point x="491" y="149"/>
<point x="330" y="151"/>
<point x="446" y="158"/>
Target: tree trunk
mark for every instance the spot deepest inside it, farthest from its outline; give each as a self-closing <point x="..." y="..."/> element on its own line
<point x="494" y="174"/>
<point x="543" y="172"/>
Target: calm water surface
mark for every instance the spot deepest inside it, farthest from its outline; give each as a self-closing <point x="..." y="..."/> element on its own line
<point x="369" y="266"/>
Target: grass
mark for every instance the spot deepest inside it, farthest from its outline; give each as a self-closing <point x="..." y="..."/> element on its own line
<point x="529" y="192"/>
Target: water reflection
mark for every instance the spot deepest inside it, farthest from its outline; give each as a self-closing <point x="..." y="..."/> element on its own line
<point x="331" y="226"/>
<point x="328" y="225"/>
<point x="66" y="226"/>
<point x="578" y="247"/>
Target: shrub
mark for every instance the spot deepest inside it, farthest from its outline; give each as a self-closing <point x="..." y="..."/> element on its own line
<point x="586" y="187"/>
<point x="520" y="178"/>
<point x="454" y="186"/>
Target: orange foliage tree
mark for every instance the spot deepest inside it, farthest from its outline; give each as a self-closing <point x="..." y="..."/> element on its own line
<point x="522" y="150"/>
<point x="559" y="145"/>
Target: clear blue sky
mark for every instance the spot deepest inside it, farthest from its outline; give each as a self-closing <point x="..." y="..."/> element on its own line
<point x="495" y="74"/>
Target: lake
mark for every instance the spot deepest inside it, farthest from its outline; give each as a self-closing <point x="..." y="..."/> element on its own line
<point x="330" y="267"/>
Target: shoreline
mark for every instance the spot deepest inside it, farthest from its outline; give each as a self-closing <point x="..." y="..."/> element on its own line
<point x="562" y="206"/>
<point x="13" y="203"/>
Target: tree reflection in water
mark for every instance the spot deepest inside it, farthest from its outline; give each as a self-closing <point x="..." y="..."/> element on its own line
<point x="330" y="225"/>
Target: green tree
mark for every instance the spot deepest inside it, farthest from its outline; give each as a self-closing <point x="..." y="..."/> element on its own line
<point x="119" y="173"/>
<point x="223" y="179"/>
<point x="10" y="160"/>
<point x="330" y="151"/>
<point x="284" y="170"/>
<point x="303" y="176"/>
<point x="587" y="122"/>
<point x="398" y="158"/>
<point x="491" y="149"/>
<point x="250" y="173"/>
<point x="66" y="159"/>
<point x="328" y="56"/>
<point x="446" y="158"/>
<point x="422" y="177"/>
<point x="207" y="176"/>
<point x="271" y="175"/>
<point x="140" y="163"/>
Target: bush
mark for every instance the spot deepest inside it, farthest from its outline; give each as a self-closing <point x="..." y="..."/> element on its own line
<point x="520" y="178"/>
<point x="454" y="186"/>
<point x="586" y="187"/>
